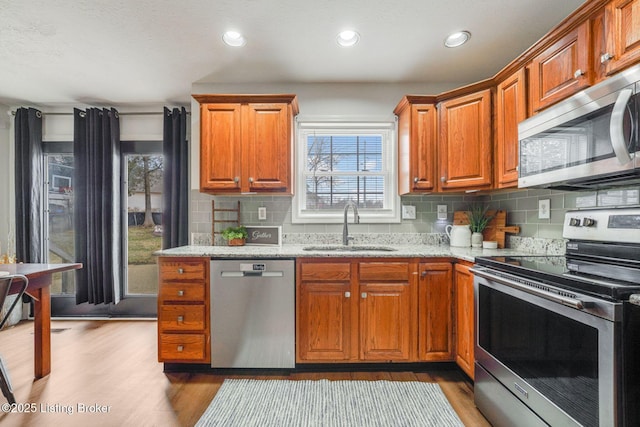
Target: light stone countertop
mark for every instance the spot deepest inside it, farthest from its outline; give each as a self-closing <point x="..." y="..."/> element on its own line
<point x="297" y="251"/>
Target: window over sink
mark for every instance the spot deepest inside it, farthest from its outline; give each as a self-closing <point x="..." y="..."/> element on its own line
<point x="341" y="161"/>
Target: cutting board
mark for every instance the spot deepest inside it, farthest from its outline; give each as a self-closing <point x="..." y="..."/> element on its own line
<point x="495" y="230"/>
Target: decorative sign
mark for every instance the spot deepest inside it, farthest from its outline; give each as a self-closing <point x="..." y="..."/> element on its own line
<point x="264" y="235"/>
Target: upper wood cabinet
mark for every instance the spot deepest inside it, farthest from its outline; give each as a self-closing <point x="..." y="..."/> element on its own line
<point x="465" y="148"/>
<point x="511" y="109"/>
<point x="562" y="69"/>
<point x="417" y="138"/>
<point x="246" y="143"/>
<point x="435" y="312"/>
<point x="622" y="23"/>
<point x="465" y="318"/>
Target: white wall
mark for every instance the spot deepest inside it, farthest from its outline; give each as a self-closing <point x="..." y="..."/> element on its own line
<point x="347" y="101"/>
<point x="6" y="177"/>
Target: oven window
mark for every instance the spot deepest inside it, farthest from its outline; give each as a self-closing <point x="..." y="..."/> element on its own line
<point x="554" y="354"/>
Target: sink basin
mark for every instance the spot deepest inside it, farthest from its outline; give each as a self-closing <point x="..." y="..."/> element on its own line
<point x="354" y="248"/>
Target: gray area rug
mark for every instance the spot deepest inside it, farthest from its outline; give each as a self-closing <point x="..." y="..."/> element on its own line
<point x="327" y="403"/>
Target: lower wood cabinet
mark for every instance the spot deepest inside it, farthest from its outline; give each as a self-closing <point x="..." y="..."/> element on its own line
<point x="435" y="314"/>
<point x="373" y="310"/>
<point x="183" y="310"/>
<point x="465" y="318"/>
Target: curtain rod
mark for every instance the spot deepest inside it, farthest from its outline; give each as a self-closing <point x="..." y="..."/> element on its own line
<point x="144" y="113"/>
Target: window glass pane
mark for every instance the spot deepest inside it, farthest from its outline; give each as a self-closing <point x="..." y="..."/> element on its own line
<point x="144" y="217"/>
<point x="61" y="243"/>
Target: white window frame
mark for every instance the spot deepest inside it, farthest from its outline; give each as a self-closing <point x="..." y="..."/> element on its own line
<point x="389" y="214"/>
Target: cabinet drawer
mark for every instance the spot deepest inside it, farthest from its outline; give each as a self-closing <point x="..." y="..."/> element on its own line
<point x="182" y="270"/>
<point x="181" y="318"/>
<point x="178" y="291"/>
<point x="373" y="271"/>
<point x="326" y="271"/>
<point x="182" y="347"/>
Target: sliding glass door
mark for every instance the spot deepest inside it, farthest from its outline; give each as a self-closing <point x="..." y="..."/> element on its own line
<point x="141" y="237"/>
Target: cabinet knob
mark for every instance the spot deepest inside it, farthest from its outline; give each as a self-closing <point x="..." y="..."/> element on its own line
<point x="443" y="178"/>
<point x="415" y="179"/>
<point x="347" y="294"/>
<point x="180" y="348"/>
<point x="250" y="179"/>
<point x="181" y="271"/>
<point x="423" y="273"/>
<point x="578" y="73"/>
<point x="363" y="295"/>
<point x="180" y="293"/>
<point x="180" y="319"/>
<point x="605" y="57"/>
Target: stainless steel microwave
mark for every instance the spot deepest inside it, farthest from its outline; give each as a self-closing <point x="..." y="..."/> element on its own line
<point x="590" y="140"/>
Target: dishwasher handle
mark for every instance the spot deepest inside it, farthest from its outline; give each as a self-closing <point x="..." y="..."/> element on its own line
<point x="252" y="274"/>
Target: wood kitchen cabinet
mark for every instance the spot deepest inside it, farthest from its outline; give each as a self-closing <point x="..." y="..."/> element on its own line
<point x="324" y="311"/>
<point x="183" y="310"/>
<point x="385" y="307"/>
<point x="622" y="25"/>
<point x="355" y="310"/>
<point x="465" y="317"/>
<point x="465" y="146"/>
<point x="435" y="312"/>
<point x="246" y="143"/>
<point x="511" y="109"/>
<point x="417" y="139"/>
<point x="562" y="69"/>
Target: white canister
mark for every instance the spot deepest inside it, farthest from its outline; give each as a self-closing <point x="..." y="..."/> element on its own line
<point x="459" y="235"/>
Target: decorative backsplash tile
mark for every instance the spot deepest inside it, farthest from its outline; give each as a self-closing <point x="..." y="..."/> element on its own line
<point x="540" y="235"/>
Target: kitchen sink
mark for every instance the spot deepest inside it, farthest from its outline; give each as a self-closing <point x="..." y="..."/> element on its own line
<point x="354" y="248"/>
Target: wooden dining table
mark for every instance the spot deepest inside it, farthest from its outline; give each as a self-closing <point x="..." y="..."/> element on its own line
<point x="40" y="279"/>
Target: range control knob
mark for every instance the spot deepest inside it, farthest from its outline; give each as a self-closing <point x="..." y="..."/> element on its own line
<point x="574" y="222"/>
<point x="589" y="222"/>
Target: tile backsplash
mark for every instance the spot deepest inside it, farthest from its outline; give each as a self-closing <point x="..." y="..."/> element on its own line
<point x="521" y="207"/>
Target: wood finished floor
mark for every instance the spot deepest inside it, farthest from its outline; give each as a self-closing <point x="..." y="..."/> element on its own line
<point x="114" y="364"/>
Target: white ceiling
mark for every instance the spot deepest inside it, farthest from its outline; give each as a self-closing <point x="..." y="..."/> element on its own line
<point x="137" y="52"/>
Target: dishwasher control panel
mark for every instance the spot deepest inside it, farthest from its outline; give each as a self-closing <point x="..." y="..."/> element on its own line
<point x="257" y="267"/>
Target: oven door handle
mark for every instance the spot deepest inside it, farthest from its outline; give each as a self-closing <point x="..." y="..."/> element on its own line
<point x="568" y="301"/>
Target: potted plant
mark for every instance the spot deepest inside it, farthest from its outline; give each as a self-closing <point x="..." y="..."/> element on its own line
<point x="235" y="236"/>
<point x="479" y="217"/>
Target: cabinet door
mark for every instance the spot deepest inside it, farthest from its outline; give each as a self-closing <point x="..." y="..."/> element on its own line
<point x="562" y="69"/>
<point x="385" y="325"/>
<point x="417" y="137"/>
<point x="623" y="34"/>
<point x="220" y="147"/>
<point x="511" y="109"/>
<point x="324" y="326"/>
<point x="465" y="146"/>
<point x="435" y="321"/>
<point x="465" y="319"/>
<point x="268" y="139"/>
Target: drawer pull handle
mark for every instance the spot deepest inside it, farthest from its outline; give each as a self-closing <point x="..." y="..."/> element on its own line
<point x="180" y="270"/>
<point x="180" y="319"/>
<point x="180" y="348"/>
<point x="180" y="293"/>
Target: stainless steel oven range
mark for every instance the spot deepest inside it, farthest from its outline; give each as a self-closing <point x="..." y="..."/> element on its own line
<point x="558" y="337"/>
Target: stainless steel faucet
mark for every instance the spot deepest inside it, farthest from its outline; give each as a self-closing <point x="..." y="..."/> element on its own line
<point x="356" y="220"/>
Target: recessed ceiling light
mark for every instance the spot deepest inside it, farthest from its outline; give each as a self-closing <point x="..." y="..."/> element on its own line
<point x="457" y="39"/>
<point x="347" y="38"/>
<point x="234" y="38"/>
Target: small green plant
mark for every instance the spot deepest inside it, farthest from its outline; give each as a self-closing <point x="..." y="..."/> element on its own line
<point x="231" y="233"/>
<point x="479" y="217"/>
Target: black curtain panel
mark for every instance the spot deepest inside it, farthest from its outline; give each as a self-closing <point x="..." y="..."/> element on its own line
<point x="175" y="213"/>
<point x="28" y="177"/>
<point x="98" y="217"/>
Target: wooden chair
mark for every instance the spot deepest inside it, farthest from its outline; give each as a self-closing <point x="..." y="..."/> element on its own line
<point x="5" y="287"/>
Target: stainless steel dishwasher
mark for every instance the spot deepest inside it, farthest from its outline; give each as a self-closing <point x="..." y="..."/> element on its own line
<point x="252" y="314"/>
